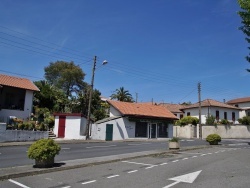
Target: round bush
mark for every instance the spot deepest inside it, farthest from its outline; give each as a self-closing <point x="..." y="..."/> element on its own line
<point x="213" y="139"/>
<point x="43" y="149"/>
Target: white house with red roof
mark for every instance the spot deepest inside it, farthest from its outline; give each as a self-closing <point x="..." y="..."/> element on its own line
<point x="243" y="103"/>
<point x="134" y="121"/>
<point x="212" y="107"/>
<point x="16" y="97"/>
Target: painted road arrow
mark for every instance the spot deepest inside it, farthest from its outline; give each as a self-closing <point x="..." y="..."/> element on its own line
<point x="186" y="178"/>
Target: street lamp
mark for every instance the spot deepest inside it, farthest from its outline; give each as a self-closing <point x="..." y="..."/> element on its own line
<point x="90" y="96"/>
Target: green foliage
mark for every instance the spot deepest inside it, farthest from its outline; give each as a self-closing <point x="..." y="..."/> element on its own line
<point x="65" y="75"/>
<point x="210" y="120"/>
<point x="43" y="149"/>
<point x="245" y="16"/>
<point x="213" y="139"/>
<point x="224" y="122"/>
<point x="122" y="95"/>
<point x="174" y="139"/>
<point x="187" y="120"/>
<point x="245" y="120"/>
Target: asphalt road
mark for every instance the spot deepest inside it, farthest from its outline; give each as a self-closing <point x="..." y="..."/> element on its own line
<point x="220" y="167"/>
<point x="12" y="156"/>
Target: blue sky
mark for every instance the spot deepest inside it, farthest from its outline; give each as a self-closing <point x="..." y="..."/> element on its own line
<point x="158" y="49"/>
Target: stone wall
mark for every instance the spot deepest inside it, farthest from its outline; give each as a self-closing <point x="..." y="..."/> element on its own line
<point x="20" y="135"/>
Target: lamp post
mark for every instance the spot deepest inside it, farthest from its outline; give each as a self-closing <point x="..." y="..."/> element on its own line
<point x="90" y="97"/>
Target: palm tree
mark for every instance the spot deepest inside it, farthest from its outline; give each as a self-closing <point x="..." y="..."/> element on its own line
<point x="122" y="95"/>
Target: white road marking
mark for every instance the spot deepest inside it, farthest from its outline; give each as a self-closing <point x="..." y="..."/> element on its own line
<point x="209" y="153"/>
<point x="203" y="155"/>
<point x="138" y="163"/>
<point x="88" y="182"/>
<point x="17" y="183"/>
<point x="216" y="152"/>
<point x="113" y="176"/>
<point x="175" y="161"/>
<point x="132" y="171"/>
<point x="184" y="158"/>
<point x="190" y="153"/>
<point x="101" y="146"/>
<point x="194" y="156"/>
<point x="163" y="164"/>
<point x="222" y="151"/>
<point x="66" y="187"/>
<point x="150" y="167"/>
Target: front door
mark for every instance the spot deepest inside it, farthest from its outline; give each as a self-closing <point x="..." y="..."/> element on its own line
<point x="152" y="130"/>
<point x="109" y="132"/>
<point x="61" y="126"/>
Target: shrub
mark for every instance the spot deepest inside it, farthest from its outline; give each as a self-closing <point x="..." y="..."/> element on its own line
<point x="210" y="120"/>
<point x="224" y="122"/>
<point x="213" y="139"/>
<point x="187" y="120"/>
<point x="20" y="126"/>
<point x="174" y="139"/>
<point x="43" y="149"/>
<point x="245" y="120"/>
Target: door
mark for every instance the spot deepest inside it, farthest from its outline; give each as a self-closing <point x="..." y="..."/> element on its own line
<point x="109" y="132"/>
<point x="61" y="126"/>
<point x="152" y="130"/>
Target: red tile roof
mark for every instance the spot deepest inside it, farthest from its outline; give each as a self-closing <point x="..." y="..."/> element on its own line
<point x="17" y="82"/>
<point x="142" y="110"/>
<point x="174" y="108"/>
<point x="210" y="102"/>
<point x="239" y="100"/>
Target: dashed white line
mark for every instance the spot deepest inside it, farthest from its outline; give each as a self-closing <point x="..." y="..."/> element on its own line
<point x="194" y="156"/>
<point x="209" y="153"/>
<point x="203" y="155"/>
<point x="184" y="158"/>
<point x="65" y="148"/>
<point x="113" y="176"/>
<point x="132" y="171"/>
<point x="150" y="167"/>
<point x="138" y="163"/>
<point x="66" y="187"/>
<point x="88" y="182"/>
<point x="101" y="146"/>
<point x="163" y="164"/>
<point x="216" y="152"/>
<point x="17" y="183"/>
<point x="138" y="144"/>
<point x="175" y="161"/>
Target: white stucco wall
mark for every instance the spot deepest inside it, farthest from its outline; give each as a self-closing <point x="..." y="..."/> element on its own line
<point x="74" y="127"/>
<point x="212" y="111"/>
<point x="227" y="131"/>
<point x="22" y="114"/>
<point x="114" y="112"/>
<point x="187" y="131"/>
<point x="120" y="131"/>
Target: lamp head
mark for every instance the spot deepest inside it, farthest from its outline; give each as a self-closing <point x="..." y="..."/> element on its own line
<point x="104" y="62"/>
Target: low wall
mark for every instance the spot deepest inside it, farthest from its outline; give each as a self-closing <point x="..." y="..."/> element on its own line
<point x="227" y="131"/>
<point x="20" y="135"/>
<point x="187" y="131"/>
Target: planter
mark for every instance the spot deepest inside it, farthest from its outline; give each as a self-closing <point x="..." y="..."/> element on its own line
<point x="174" y="145"/>
<point x="44" y="163"/>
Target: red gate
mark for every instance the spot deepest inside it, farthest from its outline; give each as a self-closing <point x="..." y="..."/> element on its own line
<point x="61" y="126"/>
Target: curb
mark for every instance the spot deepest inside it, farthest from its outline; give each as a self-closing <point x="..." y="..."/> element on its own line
<point x="57" y="169"/>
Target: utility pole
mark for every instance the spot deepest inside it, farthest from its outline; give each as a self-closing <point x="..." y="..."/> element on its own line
<point x="199" y="98"/>
<point x="90" y="99"/>
<point x="136" y="98"/>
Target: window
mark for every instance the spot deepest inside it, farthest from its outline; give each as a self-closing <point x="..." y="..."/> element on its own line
<point x="188" y="113"/>
<point x="217" y="115"/>
<point x="141" y="129"/>
<point x="181" y="116"/>
<point x="225" y="115"/>
<point x="162" y="130"/>
<point x="233" y="116"/>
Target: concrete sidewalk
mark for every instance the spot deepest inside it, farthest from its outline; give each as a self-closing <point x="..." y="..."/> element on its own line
<point x="28" y="170"/>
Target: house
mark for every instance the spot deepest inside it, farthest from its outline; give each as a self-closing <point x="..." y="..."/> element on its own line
<point x="243" y="103"/>
<point x="16" y="97"/>
<point x="212" y="107"/>
<point x="174" y="108"/>
<point x="70" y="125"/>
<point x="134" y="121"/>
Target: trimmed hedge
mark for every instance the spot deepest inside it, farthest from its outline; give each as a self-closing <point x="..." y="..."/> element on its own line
<point x="213" y="139"/>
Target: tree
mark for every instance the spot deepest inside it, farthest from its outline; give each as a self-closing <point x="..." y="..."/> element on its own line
<point x="245" y="16"/>
<point x="66" y="76"/>
<point x="122" y="95"/>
